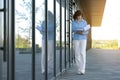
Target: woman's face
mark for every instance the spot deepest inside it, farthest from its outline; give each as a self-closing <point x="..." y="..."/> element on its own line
<point x="79" y="17"/>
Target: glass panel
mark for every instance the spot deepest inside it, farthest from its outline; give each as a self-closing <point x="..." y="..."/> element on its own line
<point x="40" y="39"/>
<point x="50" y="46"/>
<point x="63" y="33"/>
<point x="3" y="65"/>
<point x="23" y="38"/>
<point x="58" y="37"/>
<point x="67" y="33"/>
<point x="1" y="29"/>
<point x="0" y="46"/>
<point x="1" y="4"/>
<point x="40" y="17"/>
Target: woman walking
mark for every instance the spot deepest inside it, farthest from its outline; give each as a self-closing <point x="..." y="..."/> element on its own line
<point x="80" y="31"/>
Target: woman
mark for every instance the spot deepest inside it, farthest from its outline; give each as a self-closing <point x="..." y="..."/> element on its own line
<point x="80" y="31"/>
<point x="50" y="44"/>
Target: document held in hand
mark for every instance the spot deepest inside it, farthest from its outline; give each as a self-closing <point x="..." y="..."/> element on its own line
<point x="39" y="28"/>
<point x="86" y="28"/>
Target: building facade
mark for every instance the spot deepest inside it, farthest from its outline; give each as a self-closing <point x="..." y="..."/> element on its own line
<point x="20" y="41"/>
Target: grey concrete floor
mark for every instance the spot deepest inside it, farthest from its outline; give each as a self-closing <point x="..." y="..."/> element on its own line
<point x="101" y="65"/>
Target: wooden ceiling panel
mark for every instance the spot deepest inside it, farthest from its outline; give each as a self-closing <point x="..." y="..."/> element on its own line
<point x="94" y="10"/>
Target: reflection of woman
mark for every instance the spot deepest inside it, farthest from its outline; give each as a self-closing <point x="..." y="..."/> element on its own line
<point x="50" y="42"/>
<point x="80" y="41"/>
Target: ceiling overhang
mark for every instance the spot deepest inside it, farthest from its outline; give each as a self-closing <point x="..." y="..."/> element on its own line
<point x="93" y="10"/>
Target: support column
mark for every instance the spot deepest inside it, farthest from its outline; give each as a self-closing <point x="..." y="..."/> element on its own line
<point x="1" y="6"/>
<point x="0" y="46"/>
<point x="0" y="65"/>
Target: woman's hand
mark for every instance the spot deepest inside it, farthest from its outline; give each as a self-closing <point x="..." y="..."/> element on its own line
<point x="79" y="32"/>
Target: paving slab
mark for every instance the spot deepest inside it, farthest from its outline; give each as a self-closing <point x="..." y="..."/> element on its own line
<point x="101" y="65"/>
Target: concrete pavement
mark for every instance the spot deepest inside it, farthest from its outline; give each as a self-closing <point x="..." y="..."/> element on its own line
<point x="101" y="65"/>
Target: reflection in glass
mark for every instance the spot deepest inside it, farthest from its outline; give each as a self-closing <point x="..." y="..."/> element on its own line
<point x="50" y="39"/>
<point x="57" y="37"/>
<point x="1" y="43"/>
<point x="63" y="34"/>
<point x="40" y="17"/>
<point x="23" y="39"/>
<point x="1" y="4"/>
<point x="3" y="71"/>
<point x="1" y="28"/>
<point x="50" y="42"/>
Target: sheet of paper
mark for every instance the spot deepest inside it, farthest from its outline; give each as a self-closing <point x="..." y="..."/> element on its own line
<point x="87" y="27"/>
<point x="39" y="28"/>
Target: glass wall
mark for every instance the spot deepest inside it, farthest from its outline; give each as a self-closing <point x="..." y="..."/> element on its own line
<point x="64" y="34"/>
<point x="23" y="39"/>
<point x="3" y="64"/>
<point x="42" y="39"/>
<point x="58" y="36"/>
<point x="1" y="40"/>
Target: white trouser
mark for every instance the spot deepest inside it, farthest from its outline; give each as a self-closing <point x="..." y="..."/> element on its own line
<point x="50" y="55"/>
<point x="80" y="54"/>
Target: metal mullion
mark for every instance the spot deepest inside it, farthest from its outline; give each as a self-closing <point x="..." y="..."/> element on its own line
<point x="8" y="71"/>
<point x="60" y="35"/>
<point x="70" y="30"/>
<point x="46" y="39"/>
<point x="33" y="39"/>
<point x="1" y="10"/>
<point x="54" y="38"/>
<point x="70" y="9"/>
<point x="4" y="31"/>
<point x="12" y="42"/>
<point x="65" y="35"/>
<point x="69" y="35"/>
<point x="72" y="47"/>
<point x="67" y="29"/>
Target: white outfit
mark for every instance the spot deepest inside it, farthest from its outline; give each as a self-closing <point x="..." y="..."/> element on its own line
<point x="50" y="55"/>
<point x="80" y="54"/>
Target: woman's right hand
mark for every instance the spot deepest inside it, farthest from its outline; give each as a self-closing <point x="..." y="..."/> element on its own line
<point x="79" y="32"/>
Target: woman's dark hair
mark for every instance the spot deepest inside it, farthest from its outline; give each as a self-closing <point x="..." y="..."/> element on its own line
<point x="76" y="14"/>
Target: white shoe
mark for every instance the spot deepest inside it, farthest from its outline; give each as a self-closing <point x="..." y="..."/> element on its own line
<point x="42" y="72"/>
<point x="80" y="73"/>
